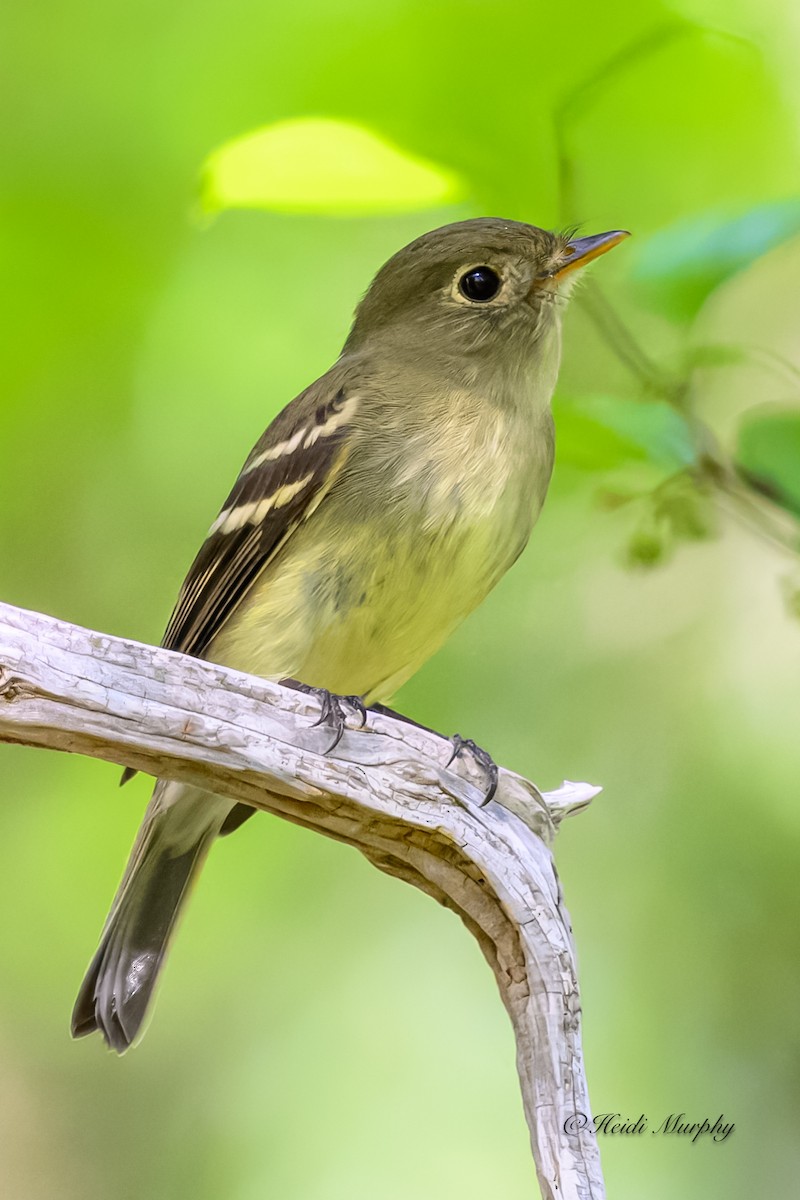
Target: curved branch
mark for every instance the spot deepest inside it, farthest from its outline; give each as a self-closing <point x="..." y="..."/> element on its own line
<point x="385" y="790"/>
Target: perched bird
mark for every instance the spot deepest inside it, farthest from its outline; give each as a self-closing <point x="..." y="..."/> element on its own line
<point x="377" y="510"/>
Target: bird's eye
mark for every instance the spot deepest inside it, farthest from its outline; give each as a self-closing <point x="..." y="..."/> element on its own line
<point x="479" y="284"/>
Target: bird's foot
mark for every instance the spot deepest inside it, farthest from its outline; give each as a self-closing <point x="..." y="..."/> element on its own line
<point x="334" y="710"/>
<point x="482" y="759"/>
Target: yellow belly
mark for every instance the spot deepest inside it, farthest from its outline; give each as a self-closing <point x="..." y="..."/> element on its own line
<point x="365" y="591"/>
<point x="359" y="615"/>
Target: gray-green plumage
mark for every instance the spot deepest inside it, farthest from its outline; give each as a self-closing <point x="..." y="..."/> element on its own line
<point x="375" y="513"/>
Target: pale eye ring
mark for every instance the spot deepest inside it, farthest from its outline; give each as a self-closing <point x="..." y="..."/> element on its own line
<point x="479" y="284"/>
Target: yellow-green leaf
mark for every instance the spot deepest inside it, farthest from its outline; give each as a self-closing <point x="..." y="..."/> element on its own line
<point x="320" y="165"/>
<point x="769" y="453"/>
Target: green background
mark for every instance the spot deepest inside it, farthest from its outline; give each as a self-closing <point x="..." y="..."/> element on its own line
<point x="323" y="1032"/>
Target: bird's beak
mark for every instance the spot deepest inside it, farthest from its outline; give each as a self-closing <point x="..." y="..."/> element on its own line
<point x="582" y="250"/>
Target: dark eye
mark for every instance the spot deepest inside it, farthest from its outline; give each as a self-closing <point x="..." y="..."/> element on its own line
<point x="480" y="284"/>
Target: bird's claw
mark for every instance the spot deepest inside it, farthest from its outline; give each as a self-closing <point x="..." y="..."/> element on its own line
<point x="481" y="758"/>
<point x="334" y="714"/>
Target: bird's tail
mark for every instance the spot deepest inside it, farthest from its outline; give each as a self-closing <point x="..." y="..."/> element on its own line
<point x="173" y="841"/>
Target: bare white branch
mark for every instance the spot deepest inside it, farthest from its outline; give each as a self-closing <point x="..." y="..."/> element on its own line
<point x="385" y="789"/>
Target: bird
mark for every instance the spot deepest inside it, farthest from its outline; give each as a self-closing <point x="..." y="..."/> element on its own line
<point x="377" y="510"/>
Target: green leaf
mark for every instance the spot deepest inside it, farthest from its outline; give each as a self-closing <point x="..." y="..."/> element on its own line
<point x="678" y="267"/>
<point x="585" y="443"/>
<point x="768" y="452"/>
<point x="320" y="165"/>
<point x="603" y="432"/>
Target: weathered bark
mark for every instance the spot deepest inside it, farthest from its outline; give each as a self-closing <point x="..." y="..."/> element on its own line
<point x="384" y="789"/>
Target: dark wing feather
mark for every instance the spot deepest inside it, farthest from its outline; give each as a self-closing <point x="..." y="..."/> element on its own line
<point x="294" y="465"/>
<point x="306" y="443"/>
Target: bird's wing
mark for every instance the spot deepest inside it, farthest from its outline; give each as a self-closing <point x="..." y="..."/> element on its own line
<point x="289" y="472"/>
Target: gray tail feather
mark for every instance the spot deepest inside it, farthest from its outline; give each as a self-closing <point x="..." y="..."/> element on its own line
<point x="119" y="984"/>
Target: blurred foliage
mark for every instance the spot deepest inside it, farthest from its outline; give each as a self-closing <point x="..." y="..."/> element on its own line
<point x="322" y="166"/>
<point x="600" y="432"/>
<point x="769" y="454"/>
<point x="324" y="1033"/>
<point x="680" y="266"/>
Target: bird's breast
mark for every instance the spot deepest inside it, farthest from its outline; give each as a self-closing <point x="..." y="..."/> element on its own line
<point x="481" y="476"/>
<point x="409" y="542"/>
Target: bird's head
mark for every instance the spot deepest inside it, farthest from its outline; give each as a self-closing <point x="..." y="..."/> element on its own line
<point x="473" y="288"/>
